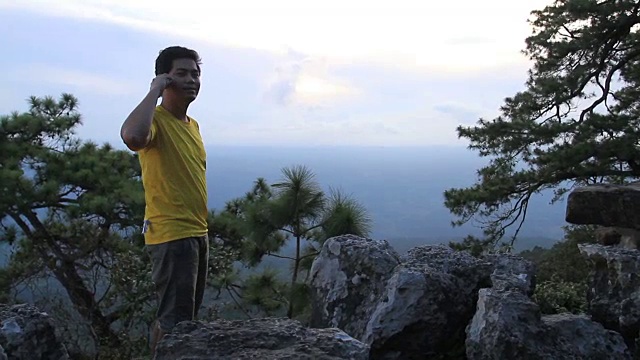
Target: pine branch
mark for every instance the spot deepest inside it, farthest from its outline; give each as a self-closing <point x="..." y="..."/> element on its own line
<point x="231" y="292"/>
<point x="280" y="256"/>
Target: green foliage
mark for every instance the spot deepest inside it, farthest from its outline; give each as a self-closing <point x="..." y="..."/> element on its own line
<point x="343" y="215"/>
<point x="576" y="122"/>
<point x="265" y="220"/>
<point x="562" y="272"/>
<point x="558" y="296"/>
<point x="265" y="292"/>
<point x="563" y="260"/>
<point x="73" y="209"/>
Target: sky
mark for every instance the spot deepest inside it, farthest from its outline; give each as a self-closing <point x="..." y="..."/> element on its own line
<point x="279" y="72"/>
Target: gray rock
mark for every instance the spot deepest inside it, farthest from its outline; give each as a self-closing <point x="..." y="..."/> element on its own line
<point x="505" y="326"/>
<point x="28" y="333"/>
<point x="508" y="325"/>
<point x="438" y="303"/>
<point x="264" y="339"/>
<point x="427" y="303"/>
<point x="417" y="306"/>
<point x="347" y="279"/>
<point x="512" y="272"/>
<point x="614" y="288"/>
<point x="583" y="338"/>
<point x="606" y="205"/>
<point x="3" y="355"/>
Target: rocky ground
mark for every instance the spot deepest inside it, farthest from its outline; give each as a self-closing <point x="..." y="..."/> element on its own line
<point x="368" y="302"/>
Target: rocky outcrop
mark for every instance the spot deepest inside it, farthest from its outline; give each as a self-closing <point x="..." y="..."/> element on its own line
<point x="371" y="303"/>
<point x="391" y="303"/>
<point x="614" y="287"/>
<point x="437" y="303"/>
<point x="433" y="288"/>
<point x="265" y="339"/>
<point x="27" y="333"/>
<point x="418" y="304"/>
<point x="508" y="324"/>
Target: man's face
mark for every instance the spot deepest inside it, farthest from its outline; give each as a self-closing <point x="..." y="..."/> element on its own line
<point x="186" y="79"/>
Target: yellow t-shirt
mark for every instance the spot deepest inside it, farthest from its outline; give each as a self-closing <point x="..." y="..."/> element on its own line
<point x="173" y="175"/>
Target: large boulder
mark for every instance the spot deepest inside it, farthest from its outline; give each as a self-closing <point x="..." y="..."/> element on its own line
<point x="264" y="339"/>
<point x="414" y="306"/>
<point x="347" y="278"/>
<point x="508" y="325"/>
<point x="605" y="205"/>
<point x="614" y="288"/>
<point x="427" y="303"/>
<point x="29" y="334"/>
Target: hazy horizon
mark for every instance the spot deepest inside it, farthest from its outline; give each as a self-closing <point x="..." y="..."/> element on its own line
<point x="401" y="187"/>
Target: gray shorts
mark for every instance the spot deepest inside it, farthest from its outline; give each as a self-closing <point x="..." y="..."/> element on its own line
<point x="179" y="272"/>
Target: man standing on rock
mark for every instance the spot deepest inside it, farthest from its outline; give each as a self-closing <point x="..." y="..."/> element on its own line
<point x="173" y="162"/>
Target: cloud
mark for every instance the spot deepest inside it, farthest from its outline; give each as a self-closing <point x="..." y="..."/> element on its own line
<point x="414" y="34"/>
<point x="365" y="86"/>
<point x="75" y="79"/>
<point x="306" y="82"/>
<point x="410" y="127"/>
<point x="461" y="113"/>
<point x="281" y="87"/>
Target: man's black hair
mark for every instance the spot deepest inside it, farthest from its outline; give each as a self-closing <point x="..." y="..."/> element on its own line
<point x="165" y="59"/>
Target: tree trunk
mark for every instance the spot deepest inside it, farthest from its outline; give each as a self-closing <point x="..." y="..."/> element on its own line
<point x="84" y="302"/>
<point x="66" y="273"/>
<point x="294" y="277"/>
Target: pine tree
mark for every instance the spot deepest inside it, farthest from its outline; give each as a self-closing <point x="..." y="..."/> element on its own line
<point x="269" y="217"/>
<point x="576" y="123"/>
<point x="71" y="210"/>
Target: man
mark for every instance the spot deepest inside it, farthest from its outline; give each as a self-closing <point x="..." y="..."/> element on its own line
<point x="173" y="162"/>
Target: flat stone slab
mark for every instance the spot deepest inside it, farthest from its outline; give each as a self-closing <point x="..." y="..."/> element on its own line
<point x="264" y="339"/>
<point x="605" y="205"/>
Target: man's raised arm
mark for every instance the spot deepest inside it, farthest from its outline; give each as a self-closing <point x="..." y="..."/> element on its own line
<point x="135" y="131"/>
